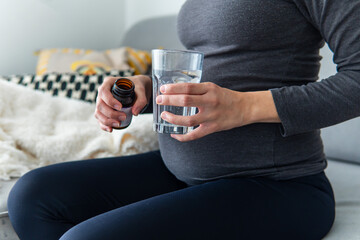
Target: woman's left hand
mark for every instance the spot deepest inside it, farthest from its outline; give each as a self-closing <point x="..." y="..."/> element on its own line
<point x="218" y="108"/>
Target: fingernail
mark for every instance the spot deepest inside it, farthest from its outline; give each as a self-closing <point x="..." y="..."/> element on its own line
<point x="116" y="125"/>
<point x="174" y="136"/>
<point x="162" y="89"/>
<point x="164" y="116"/>
<point x="159" y="99"/>
<point x="135" y="111"/>
<point x="122" y="118"/>
<point x="117" y="107"/>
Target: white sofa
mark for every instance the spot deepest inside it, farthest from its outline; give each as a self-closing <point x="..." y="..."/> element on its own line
<point x="341" y="144"/>
<point x="342" y="149"/>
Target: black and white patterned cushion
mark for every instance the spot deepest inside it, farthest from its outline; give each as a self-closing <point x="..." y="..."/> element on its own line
<point x="71" y="85"/>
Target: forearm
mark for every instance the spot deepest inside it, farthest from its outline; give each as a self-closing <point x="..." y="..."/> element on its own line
<point x="256" y="107"/>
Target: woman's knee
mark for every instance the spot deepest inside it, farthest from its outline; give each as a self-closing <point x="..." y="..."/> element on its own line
<point x="28" y="192"/>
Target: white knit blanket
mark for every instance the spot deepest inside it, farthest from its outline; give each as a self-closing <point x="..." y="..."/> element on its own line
<point x="37" y="129"/>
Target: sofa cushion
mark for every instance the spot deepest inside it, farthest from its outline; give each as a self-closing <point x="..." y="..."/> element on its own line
<point x="345" y="180"/>
<point x="341" y="141"/>
<point x="6" y="230"/>
<point x="5" y="187"/>
<point x="151" y="33"/>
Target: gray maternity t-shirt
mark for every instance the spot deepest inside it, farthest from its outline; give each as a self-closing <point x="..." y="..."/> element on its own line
<point x="253" y="45"/>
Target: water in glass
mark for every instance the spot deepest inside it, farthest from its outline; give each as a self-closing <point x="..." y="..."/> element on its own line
<point x="172" y="77"/>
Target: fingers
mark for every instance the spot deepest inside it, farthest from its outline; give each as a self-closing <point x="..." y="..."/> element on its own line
<point x="109" y="112"/>
<point x="187" y="94"/>
<point x="104" y="122"/>
<point x="107" y="117"/>
<point x="106" y="104"/>
<point x="181" y="100"/>
<point x="141" y="99"/>
<point x="105" y="128"/>
<point x="197" y="133"/>
<point x="209" y="98"/>
<point x="104" y="93"/>
<point x="185" y="88"/>
<point x="189" y="121"/>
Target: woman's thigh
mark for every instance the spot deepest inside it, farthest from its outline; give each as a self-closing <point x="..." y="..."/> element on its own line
<point x="239" y="208"/>
<point x="48" y="201"/>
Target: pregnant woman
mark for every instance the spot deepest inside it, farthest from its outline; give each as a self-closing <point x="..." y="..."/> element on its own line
<point x="254" y="166"/>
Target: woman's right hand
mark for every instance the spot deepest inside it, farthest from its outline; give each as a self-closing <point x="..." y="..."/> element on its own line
<point x="108" y="109"/>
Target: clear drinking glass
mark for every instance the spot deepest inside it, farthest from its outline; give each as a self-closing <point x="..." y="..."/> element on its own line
<point x="171" y="67"/>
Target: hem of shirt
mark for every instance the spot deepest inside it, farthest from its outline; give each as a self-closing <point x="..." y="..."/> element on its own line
<point x="277" y="173"/>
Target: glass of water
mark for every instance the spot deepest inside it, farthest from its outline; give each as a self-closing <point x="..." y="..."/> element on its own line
<point x="171" y="67"/>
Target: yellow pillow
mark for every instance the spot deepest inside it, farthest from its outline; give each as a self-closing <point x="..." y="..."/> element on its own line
<point x="83" y="61"/>
<point x="139" y="60"/>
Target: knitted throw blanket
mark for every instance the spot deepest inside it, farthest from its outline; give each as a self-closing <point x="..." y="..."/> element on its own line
<point x="37" y="129"/>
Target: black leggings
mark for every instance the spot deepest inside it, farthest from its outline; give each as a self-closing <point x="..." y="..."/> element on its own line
<point x="136" y="197"/>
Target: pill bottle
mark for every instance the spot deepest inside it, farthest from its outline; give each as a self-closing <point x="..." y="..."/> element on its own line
<point x="123" y="90"/>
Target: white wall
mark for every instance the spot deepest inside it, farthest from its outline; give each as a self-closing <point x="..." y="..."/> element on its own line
<point x="29" y="25"/>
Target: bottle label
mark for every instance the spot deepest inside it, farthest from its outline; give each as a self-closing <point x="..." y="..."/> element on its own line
<point x="128" y="113"/>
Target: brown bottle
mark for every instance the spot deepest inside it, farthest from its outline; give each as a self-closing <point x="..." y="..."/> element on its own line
<point x="123" y="90"/>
